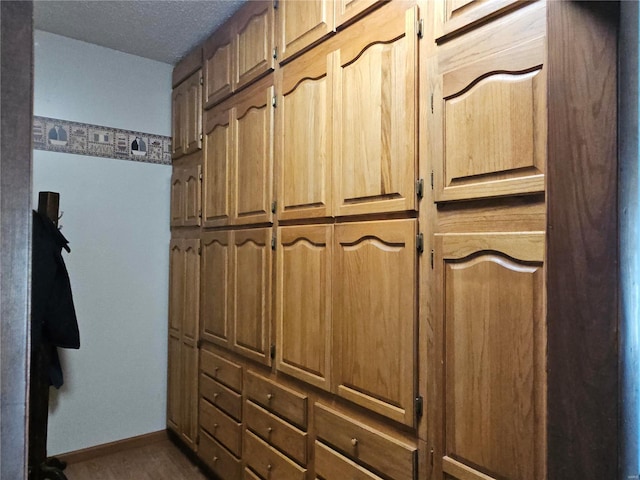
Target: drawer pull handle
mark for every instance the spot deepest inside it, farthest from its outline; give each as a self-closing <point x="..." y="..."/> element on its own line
<point x="269" y="430"/>
<point x="269" y="467"/>
<point x="215" y="371"/>
<point x="269" y="396"/>
<point x="354" y="442"/>
<point x="215" y="396"/>
<point x="215" y="426"/>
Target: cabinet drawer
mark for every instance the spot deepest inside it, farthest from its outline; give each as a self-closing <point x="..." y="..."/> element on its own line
<point x="218" y="459"/>
<point x="268" y="462"/>
<point x="276" y="432"/>
<point x="222" y="370"/>
<point x="389" y="456"/>
<point x="277" y="398"/>
<point x="330" y="464"/>
<point x="221" y="396"/>
<point x="221" y="427"/>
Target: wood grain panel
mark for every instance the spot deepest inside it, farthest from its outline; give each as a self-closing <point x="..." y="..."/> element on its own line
<point x="374" y="316"/>
<point x="222" y="370"/>
<point x="218" y="458"/>
<point x="215" y="316"/>
<point x="193" y="131"/>
<point x="176" y="285"/>
<point x="253" y="42"/>
<point x="277" y="398"/>
<point x="348" y="11"/>
<point x="189" y="394"/>
<point x="174" y="383"/>
<point x="192" y="194"/>
<point x="178" y="121"/>
<point x="268" y="462"/>
<point x="218" y="65"/>
<point x="191" y="306"/>
<point x="221" y="396"/>
<point x="301" y="24"/>
<point x="177" y="197"/>
<point x="303" y="304"/>
<point x="217" y="166"/>
<point x="221" y="427"/>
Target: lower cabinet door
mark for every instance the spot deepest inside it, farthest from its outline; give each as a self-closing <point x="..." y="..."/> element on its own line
<point x="189" y="379"/>
<point x="218" y="459"/>
<point x="490" y="339"/>
<point x="174" y="384"/>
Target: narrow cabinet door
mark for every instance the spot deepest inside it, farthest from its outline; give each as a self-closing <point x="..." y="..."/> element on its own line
<point x="375" y="113"/>
<point x="191" y="306"/>
<point x="218" y="58"/>
<point x="303" y="303"/>
<point x="178" y="121"/>
<point x="216" y="279"/>
<point x="374" y="315"/>
<point x="304" y="137"/>
<point x="177" y="197"/>
<point x="349" y="10"/>
<point x="490" y="350"/>
<point x="254" y="42"/>
<point x="301" y="24"/>
<point x="253" y="154"/>
<point x="251" y="260"/>
<point x="193" y="132"/>
<point x="218" y="143"/>
<point x="174" y="383"/>
<point x="176" y="313"/>
<point x="192" y="196"/>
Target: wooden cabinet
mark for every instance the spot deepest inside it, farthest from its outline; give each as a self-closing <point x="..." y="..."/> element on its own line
<point x="182" y="395"/>
<point x="254" y="42"/>
<point x="375" y="113"/>
<point x="464" y="13"/>
<point x="251" y="293"/>
<point x="218" y="65"/>
<point x="301" y="24"/>
<point x="252" y="119"/>
<point x="349" y="10"/>
<point x="491" y="334"/>
<point x="494" y="110"/>
<point x="185" y="193"/>
<point x="331" y="464"/>
<point x="304" y="145"/>
<point x="303" y="303"/>
<point x="374" y="316"/>
<point x="268" y="462"/>
<point x="218" y="458"/>
<point x="186" y="114"/>
<point x="216" y="278"/>
<point x="217" y="166"/>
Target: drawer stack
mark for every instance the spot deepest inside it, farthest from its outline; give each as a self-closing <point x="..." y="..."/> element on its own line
<point x="220" y="415"/>
<point x="275" y="436"/>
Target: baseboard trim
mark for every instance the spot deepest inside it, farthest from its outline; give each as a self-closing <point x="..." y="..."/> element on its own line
<point x="90" y="453"/>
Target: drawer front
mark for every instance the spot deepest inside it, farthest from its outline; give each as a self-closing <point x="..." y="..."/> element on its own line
<point x="222" y="370"/>
<point x="277" y="399"/>
<point x="276" y="432"/>
<point x="268" y="462"/>
<point x="330" y="464"/>
<point x="221" y="396"/>
<point x="221" y="427"/>
<point x="389" y="456"/>
<point x="218" y="459"/>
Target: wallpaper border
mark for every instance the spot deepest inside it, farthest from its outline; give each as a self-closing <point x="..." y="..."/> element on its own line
<point x="65" y="136"/>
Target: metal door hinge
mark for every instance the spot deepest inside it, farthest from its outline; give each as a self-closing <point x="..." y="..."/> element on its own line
<point x="431" y="102"/>
<point x="201" y="137"/>
<point x="431" y="179"/>
<point x="420" y="188"/>
<point x="201" y="81"/>
<point x="275" y="4"/>
<point x="200" y="176"/>
<point x="420" y="243"/>
<point x="273" y="243"/>
<point x="274" y="206"/>
<point x="275" y="52"/>
<point x="200" y="253"/>
<point x="420" y="28"/>
<point x="431" y="259"/>
<point x="419" y="406"/>
<point x="272" y="351"/>
<point x="274" y="103"/>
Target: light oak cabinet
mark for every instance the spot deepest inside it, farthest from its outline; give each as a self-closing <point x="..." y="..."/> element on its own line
<point x="253" y="42"/>
<point x="464" y="13"/>
<point x="182" y="395"/>
<point x="218" y="59"/>
<point x="374" y="316"/>
<point x="186" y="114"/>
<point x="215" y="313"/>
<point x="375" y="113"/>
<point x="301" y="24"/>
<point x="491" y="334"/>
<point x="349" y="10"/>
<point x="218" y="167"/>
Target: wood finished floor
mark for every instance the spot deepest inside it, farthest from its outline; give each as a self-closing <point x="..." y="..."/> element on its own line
<point x="161" y="460"/>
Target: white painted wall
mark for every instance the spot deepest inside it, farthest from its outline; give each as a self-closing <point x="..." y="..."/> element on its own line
<point x="116" y="217"/>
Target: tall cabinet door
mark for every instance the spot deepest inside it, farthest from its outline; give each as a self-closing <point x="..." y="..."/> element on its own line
<point x="176" y="309"/>
<point x="490" y="339"/>
<point x="178" y="121"/>
<point x="303" y="303"/>
<point x="192" y="196"/>
<point x="251" y="261"/>
<point x="193" y="125"/>
<point x="216" y="279"/>
<point x="301" y="24"/>
<point x="218" y="144"/>
<point x="218" y="66"/>
<point x="304" y="137"/>
<point x="177" y="197"/>
<point x="375" y="96"/>
<point x="253" y="154"/>
<point x="374" y="315"/>
<point x="254" y="42"/>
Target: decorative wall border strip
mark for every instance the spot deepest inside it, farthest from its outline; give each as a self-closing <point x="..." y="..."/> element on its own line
<point x="55" y="135"/>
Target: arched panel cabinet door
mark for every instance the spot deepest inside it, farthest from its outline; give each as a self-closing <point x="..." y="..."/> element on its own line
<point x="348" y="11"/>
<point x="303" y="303"/>
<point x="193" y="131"/>
<point x="375" y="113"/>
<point x="218" y="66"/>
<point x="301" y="24"/>
<point x="177" y="197"/>
<point x="216" y="279"/>
<point x="251" y="263"/>
<point x="192" y="182"/>
<point x="490" y="355"/>
<point x="176" y="312"/>
<point x="253" y="42"/>
<point x="217" y="166"/>
<point x="374" y="316"/>
<point x="303" y="142"/>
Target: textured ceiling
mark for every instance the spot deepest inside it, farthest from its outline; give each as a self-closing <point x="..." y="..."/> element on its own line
<point x="163" y="30"/>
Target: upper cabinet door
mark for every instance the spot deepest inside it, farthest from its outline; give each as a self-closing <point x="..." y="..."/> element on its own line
<point x="349" y="10"/>
<point x="251" y="261"/>
<point x="177" y="197"/>
<point x="493" y="110"/>
<point x="490" y="354"/>
<point x="193" y="98"/>
<point x="253" y="154"/>
<point x="375" y="96"/>
<point x="178" y="121"/>
<point x="303" y="303"/>
<point x="218" y="144"/>
<point x="374" y="316"/>
<point x="253" y="42"/>
<point x="464" y="13"/>
<point x="216" y="279"/>
<point x="301" y="24"/>
<point x="304" y="137"/>
<point x="192" y="195"/>
<point x="218" y="66"/>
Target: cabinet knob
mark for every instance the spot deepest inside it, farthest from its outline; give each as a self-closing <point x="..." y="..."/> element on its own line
<point x="269" y="430"/>
<point x="215" y="396"/>
<point x="215" y="426"/>
<point x="215" y="371"/>
<point x="269" y="467"/>
<point x="269" y="396"/>
<point x="354" y="442"/>
<point x="215" y="459"/>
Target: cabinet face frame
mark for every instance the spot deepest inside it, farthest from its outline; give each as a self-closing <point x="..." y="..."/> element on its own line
<point x="216" y="271"/>
<point x="509" y="254"/>
<point x="303" y="155"/>
<point x="376" y="174"/>
<point x="217" y="184"/>
<point x="177" y="197"/>
<point x="293" y="13"/>
<point x="361" y="361"/>
<point x="302" y="252"/>
<point x="192" y="195"/>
